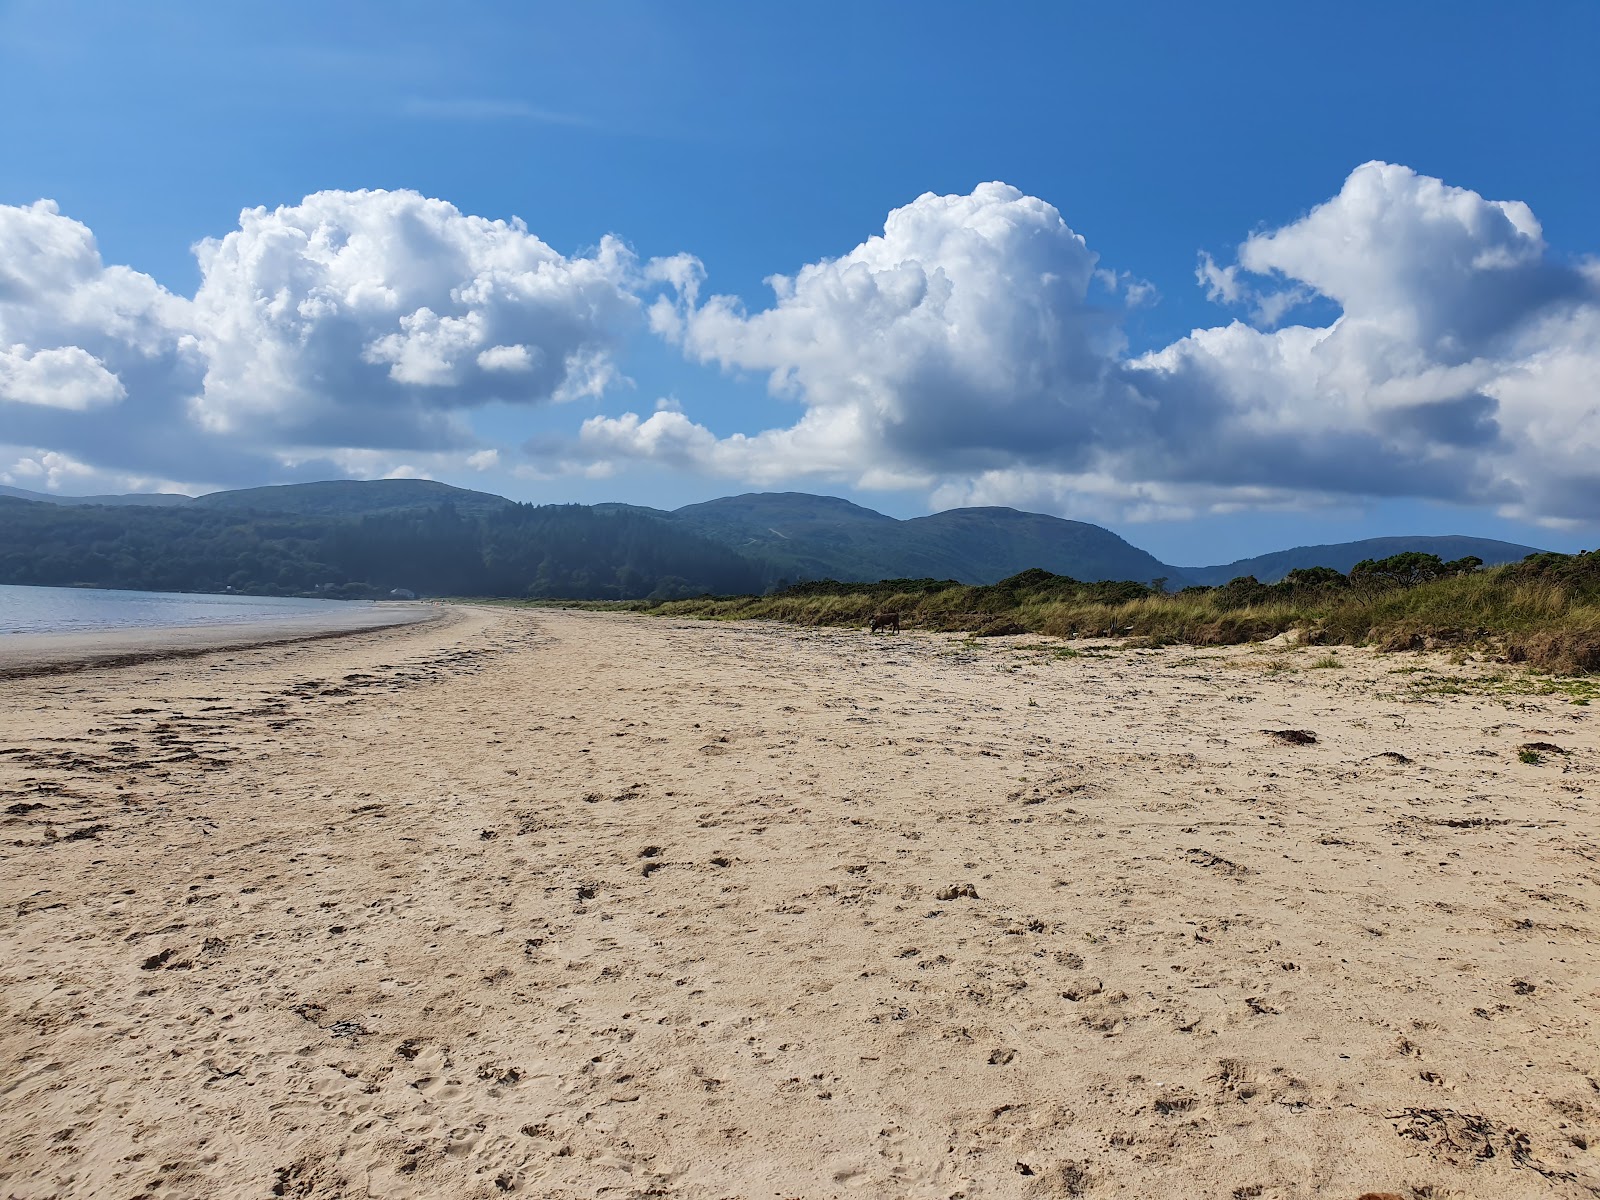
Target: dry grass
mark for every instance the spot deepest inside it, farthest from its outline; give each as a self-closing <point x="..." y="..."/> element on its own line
<point x="1549" y="621"/>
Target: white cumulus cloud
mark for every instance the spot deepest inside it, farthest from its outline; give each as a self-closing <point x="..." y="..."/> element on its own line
<point x="62" y="377"/>
<point x="973" y="350"/>
<point x="1464" y="364"/>
<point x="961" y="337"/>
<point x="377" y="315"/>
<point x="960" y="351"/>
<point x="351" y="328"/>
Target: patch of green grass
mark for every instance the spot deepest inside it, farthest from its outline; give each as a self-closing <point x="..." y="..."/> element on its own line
<point x="1328" y="662"/>
<point x="1446" y="685"/>
<point x="1577" y="689"/>
<point x="1531" y="757"/>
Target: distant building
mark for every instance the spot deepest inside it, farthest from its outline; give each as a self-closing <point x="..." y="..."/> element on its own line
<point x="402" y="594"/>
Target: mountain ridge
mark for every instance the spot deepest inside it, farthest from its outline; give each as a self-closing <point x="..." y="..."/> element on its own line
<point x="801" y="535"/>
<point x="129" y="499"/>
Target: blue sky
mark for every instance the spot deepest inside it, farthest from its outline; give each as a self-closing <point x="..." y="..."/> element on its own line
<point x="763" y="140"/>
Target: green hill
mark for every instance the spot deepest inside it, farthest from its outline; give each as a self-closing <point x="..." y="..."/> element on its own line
<point x="556" y="551"/>
<point x="801" y="536"/>
<point x="985" y="545"/>
<point x="1341" y="556"/>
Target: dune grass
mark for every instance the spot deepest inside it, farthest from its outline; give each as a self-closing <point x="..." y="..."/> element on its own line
<point x="1544" y="611"/>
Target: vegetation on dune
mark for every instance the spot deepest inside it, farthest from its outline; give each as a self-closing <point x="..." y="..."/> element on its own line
<point x="1544" y="611"/>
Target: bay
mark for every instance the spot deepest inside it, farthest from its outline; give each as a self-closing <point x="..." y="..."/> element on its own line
<point x="83" y="610"/>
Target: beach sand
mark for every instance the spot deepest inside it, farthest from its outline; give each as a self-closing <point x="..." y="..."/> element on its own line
<point x="24" y="654"/>
<point x="561" y="904"/>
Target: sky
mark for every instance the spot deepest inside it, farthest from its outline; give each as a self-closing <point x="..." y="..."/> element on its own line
<point x="1223" y="278"/>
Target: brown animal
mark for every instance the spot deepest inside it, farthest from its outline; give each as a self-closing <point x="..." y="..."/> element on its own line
<point x="885" y="621"/>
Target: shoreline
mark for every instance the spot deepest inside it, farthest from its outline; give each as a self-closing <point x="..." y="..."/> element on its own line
<point x="24" y="655"/>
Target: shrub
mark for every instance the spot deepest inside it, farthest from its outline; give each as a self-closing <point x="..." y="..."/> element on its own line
<point x="1543" y="611"/>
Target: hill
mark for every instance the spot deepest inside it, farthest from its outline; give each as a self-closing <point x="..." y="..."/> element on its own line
<point x="149" y="499"/>
<point x="308" y="535"/>
<point x="797" y="535"/>
<point x="985" y="545"/>
<point x="1341" y="556"/>
<point x="801" y="536"/>
<point x="352" y="498"/>
<point x="556" y="551"/>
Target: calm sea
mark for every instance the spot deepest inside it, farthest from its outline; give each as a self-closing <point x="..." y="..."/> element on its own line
<point x="74" y="610"/>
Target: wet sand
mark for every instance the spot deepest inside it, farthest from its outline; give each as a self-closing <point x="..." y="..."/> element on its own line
<point x="53" y="653"/>
<point x="570" y="905"/>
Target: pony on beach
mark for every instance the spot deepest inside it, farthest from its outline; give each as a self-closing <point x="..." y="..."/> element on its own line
<point x="885" y="620"/>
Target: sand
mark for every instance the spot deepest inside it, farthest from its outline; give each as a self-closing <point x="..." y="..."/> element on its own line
<point x="24" y="654"/>
<point x="570" y="905"/>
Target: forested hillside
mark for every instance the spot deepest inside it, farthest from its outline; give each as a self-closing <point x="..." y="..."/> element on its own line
<point x="558" y="551"/>
<point x="800" y="536"/>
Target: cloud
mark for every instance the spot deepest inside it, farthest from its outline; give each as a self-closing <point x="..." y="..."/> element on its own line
<point x="937" y="345"/>
<point x="47" y="470"/>
<point x="1463" y="364"/>
<point x="97" y="362"/>
<point x="972" y="350"/>
<point x="373" y="318"/>
<point x="64" y="377"/>
<point x="351" y="323"/>
<point x="960" y="351"/>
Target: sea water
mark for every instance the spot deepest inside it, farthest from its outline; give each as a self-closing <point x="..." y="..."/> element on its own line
<point x="77" y="610"/>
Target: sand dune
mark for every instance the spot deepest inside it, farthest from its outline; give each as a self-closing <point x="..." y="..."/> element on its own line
<point x="572" y="905"/>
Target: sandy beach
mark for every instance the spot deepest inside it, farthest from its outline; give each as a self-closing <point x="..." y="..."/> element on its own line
<point x="559" y="904"/>
<point x="55" y="653"/>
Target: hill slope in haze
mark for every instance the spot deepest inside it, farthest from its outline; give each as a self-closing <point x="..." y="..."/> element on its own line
<point x="146" y="499"/>
<point x="1341" y="556"/>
